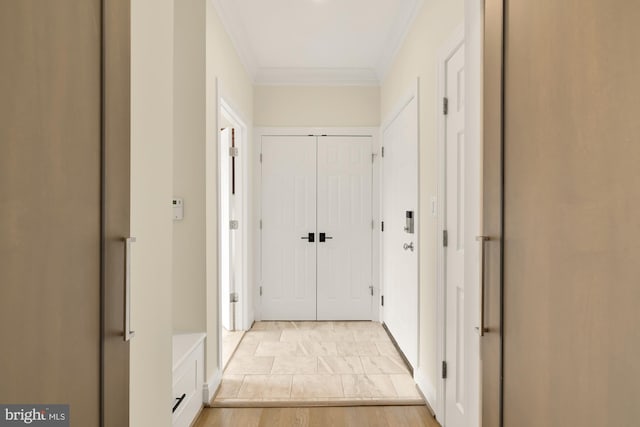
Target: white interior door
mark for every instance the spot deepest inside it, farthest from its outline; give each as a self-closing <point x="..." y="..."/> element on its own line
<point x="400" y="261"/>
<point x="288" y="221"/>
<point x="225" y="236"/>
<point x="454" y="219"/>
<point x="345" y="225"/>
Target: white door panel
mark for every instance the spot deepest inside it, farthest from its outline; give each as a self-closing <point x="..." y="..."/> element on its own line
<point x="400" y="194"/>
<point x="288" y="215"/>
<point x="454" y="253"/>
<point x="345" y="217"/>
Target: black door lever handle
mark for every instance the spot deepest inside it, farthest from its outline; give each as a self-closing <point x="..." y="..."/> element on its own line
<point x="311" y="237"/>
<point x="323" y="237"/>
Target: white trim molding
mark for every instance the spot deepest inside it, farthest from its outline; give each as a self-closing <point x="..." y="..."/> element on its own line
<point x="210" y="388"/>
<point x="316" y="76"/>
<point x="427" y="389"/>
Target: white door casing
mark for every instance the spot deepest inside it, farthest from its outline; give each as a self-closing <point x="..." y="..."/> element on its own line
<point x="345" y="217"/>
<point x="288" y="216"/>
<point x="225" y="235"/>
<point x="400" y="194"/>
<point x="454" y="252"/>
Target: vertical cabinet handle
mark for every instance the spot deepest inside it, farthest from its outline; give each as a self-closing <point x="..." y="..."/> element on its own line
<point x="128" y="333"/>
<point x="483" y="240"/>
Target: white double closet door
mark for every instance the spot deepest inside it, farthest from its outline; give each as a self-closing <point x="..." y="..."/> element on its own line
<point x="316" y="228"/>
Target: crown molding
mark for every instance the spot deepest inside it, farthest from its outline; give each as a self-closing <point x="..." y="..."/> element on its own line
<point x="316" y="77"/>
<point x="397" y="38"/>
<point x="238" y="37"/>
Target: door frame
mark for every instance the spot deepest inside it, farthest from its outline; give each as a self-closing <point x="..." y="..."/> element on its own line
<point x="256" y="231"/>
<point x="242" y="315"/>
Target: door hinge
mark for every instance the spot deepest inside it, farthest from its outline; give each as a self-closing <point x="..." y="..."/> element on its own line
<point x="371" y="289"/>
<point x="234" y="224"/>
<point x="260" y="290"/>
<point x="373" y="224"/>
<point x="381" y="225"/>
<point x="444" y="369"/>
<point x="373" y="158"/>
<point x="382" y="151"/>
<point x="260" y="157"/>
<point x="445" y="238"/>
<point x="233" y="151"/>
<point x="445" y="106"/>
<point x="260" y="224"/>
<point x="382" y="300"/>
<point x="233" y="297"/>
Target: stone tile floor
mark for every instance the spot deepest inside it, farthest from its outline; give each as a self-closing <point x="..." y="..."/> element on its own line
<point x="230" y="341"/>
<point x="316" y="363"/>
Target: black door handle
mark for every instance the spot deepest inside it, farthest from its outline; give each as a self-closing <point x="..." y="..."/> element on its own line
<point x="323" y="237"/>
<point x="311" y="237"/>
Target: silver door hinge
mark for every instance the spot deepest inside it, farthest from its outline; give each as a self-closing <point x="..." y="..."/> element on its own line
<point x="373" y="224"/>
<point x="382" y="151"/>
<point x="373" y="157"/>
<point x="445" y="238"/>
<point x="260" y="224"/>
<point x="371" y="289"/>
<point x="260" y="157"/>
<point x="233" y="297"/>
<point x="234" y="224"/>
<point x="445" y="106"/>
<point x="233" y="151"/>
<point x="444" y="369"/>
<point x="260" y="290"/>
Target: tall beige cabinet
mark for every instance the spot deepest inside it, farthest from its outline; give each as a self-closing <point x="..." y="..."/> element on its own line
<point x="64" y="206"/>
<point x="562" y="108"/>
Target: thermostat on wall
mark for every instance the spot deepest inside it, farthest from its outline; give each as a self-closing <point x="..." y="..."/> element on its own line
<point x="178" y="209"/>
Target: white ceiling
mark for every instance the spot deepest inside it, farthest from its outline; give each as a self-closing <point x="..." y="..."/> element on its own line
<point x="317" y="41"/>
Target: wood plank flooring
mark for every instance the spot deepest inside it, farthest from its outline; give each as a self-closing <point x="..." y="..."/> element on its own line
<point x="354" y="416"/>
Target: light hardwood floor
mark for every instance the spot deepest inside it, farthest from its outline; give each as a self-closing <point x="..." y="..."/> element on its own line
<point x="354" y="416"/>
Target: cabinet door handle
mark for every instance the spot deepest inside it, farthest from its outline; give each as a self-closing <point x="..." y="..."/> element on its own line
<point x="483" y="240"/>
<point x="311" y="237"/>
<point x="323" y="237"/>
<point x="178" y="402"/>
<point x="128" y="333"/>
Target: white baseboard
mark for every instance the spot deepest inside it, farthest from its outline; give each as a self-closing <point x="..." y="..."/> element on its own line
<point x="427" y="389"/>
<point x="211" y="386"/>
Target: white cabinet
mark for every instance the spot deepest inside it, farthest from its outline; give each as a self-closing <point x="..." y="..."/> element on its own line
<point x="188" y="377"/>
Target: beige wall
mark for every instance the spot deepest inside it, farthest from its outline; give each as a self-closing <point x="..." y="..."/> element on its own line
<point x="436" y="23"/>
<point x="189" y="166"/>
<point x="151" y="186"/>
<point x="203" y="55"/>
<point x="317" y="106"/>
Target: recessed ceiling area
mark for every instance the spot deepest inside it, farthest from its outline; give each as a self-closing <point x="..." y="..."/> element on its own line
<point x="341" y="42"/>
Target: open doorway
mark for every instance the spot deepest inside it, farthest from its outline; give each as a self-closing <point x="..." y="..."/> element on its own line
<point x="232" y="229"/>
